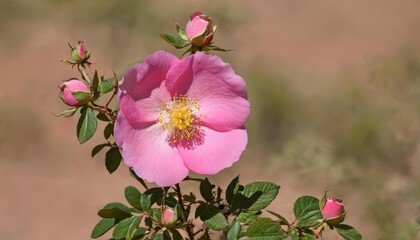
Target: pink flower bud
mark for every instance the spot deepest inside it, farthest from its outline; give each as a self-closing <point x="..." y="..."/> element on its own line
<point x="199" y="29"/>
<point x="169" y="217"/>
<point x="333" y="208"/>
<point x="71" y="86"/>
<point x="80" y="53"/>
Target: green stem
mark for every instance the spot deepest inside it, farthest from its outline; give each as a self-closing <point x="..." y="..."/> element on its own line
<point x="84" y="73"/>
<point x="188" y="178"/>
<point x="184" y="212"/>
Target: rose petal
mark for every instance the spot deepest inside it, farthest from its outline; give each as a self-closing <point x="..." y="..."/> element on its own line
<point x="148" y="153"/>
<point x="144" y="111"/>
<point x="142" y="78"/>
<point x="215" y="86"/>
<point x="217" y="151"/>
<point x="196" y="26"/>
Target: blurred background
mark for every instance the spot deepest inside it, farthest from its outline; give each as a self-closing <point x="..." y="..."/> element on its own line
<point x="334" y="88"/>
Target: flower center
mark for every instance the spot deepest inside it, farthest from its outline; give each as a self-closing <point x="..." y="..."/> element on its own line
<point x="179" y="118"/>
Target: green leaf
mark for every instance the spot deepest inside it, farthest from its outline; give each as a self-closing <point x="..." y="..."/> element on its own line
<point x="307" y="212"/>
<point x="269" y="193"/>
<point x="348" y="232"/>
<point x="166" y="235"/>
<point x="98" y="148"/>
<point x="82" y="97"/>
<point x="145" y="202"/>
<point x="112" y="159"/>
<point x="235" y="229"/>
<point x="157" y="236"/>
<point x="106" y="86"/>
<point x="133" y="196"/>
<point x="176" y="235"/>
<point x="115" y="210"/>
<point x="109" y="130"/>
<point x="282" y="220"/>
<point x="86" y="126"/>
<point x="232" y="189"/>
<point x="247" y="218"/>
<point x="217" y="223"/>
<point x="181" y="32"/>
<point x="206" y="211"/>
<point x="206" y="190"/>
<point x="126" y="228"/>
<point x="156" y="195"/>
<point x="139" y="233"/>
<point x="265" y="229"/>
<point x="174" y="40"/>
<point x="242" y="202"/>
<point x="95" y="82"/>
<point x="102" y="117"/>
<point x="139" y="179"/>
<point x="102" y="227"/>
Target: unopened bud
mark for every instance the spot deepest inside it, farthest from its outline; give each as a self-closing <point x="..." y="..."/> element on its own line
<point x="80" y="54"/>
<point x="71" y="87"/>
<point x="169" y="217"/>
<point x="333" y="211"/>
<point x="199" y="29"/>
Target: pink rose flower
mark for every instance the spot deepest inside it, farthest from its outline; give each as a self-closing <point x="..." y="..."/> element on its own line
<point x="333" y="208"/>
<point x="180" y="115"/>
<point x="71" y="86"/>
<point x="199" y="29"/>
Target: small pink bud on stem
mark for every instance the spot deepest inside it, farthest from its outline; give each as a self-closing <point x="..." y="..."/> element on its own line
<point x="169" y="217"/>
<point x="199" y="29"/>
<point x="80" y="54"/>
<point x="333" y="211"/>
<point x="70" y="87"/>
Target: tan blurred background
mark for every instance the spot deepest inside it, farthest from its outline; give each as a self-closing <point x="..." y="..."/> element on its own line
<point x="334" y="88"/>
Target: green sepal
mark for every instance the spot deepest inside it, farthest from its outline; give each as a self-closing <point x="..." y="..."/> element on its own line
<point x="68" y="112"/>
<point x="175" y="41"/>
<point x="181" y="32"/>
<point x="95" y="82"/>
<point x="82" y="97"/>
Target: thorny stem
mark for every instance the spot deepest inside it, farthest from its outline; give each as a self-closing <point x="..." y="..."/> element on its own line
<point x="184" y="212"/>
<point x="104" y="110"/>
